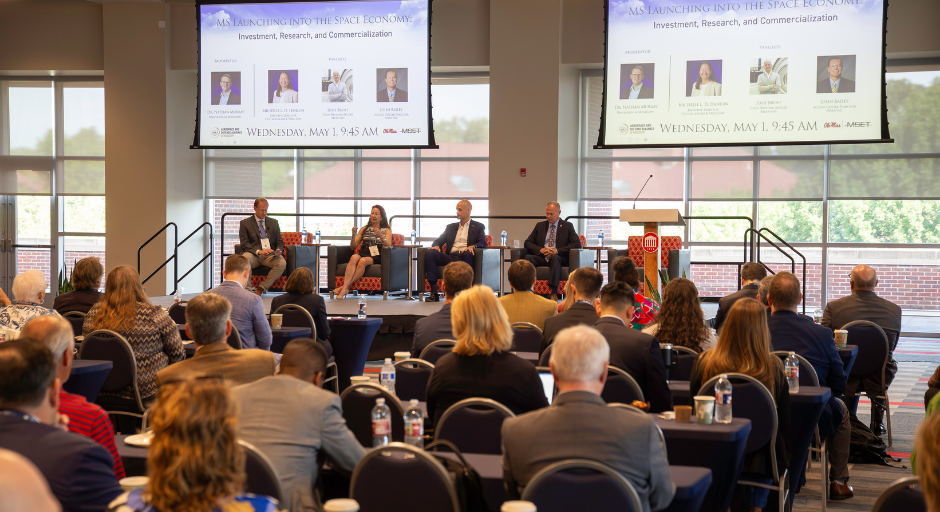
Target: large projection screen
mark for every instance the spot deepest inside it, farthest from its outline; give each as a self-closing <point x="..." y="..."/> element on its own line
<point x="762" y="72"/>
<point x="315" y="74"/>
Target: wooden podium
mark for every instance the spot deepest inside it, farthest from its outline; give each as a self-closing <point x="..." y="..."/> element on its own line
<point x="651" y="220"/>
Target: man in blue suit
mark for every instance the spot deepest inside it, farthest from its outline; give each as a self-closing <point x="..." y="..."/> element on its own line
<point x="80" y="472"/>
<point x="793" y="333"/>
<point x="455" y="244"/>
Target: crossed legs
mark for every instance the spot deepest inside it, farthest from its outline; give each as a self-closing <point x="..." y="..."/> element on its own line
<point x="354" y="270"/>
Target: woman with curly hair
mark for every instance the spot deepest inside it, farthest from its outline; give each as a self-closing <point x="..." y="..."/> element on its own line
<point x="680" y="321"/>
<point x="195" y="461"/>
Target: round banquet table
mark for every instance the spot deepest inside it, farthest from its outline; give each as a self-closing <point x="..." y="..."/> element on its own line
<point x="87" y="377"/>
<point x="351" y="339"/>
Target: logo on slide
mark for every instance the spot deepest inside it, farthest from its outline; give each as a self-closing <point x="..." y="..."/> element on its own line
<point x="409" y="130"/>
<point x="623" y="129"/>
<point x="832" y="125"/>
<point x="389" y="130"/>
<point x="215" y="131"/>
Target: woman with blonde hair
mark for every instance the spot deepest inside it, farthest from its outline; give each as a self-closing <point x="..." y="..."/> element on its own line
<point x="194" y="461"/>
<point x="480" y="365"/>
<point x="569" y="294"/>
<point x="744" y="347"/>
<point x="680" y="321"/>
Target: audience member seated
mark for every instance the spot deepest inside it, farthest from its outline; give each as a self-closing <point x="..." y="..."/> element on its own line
<point x="549" y="243"/>
<point x="79" y="471"/>
<point x="209" y="326"/>
<point x="933" y="386"/>
<point x="569" y="295"/>
<point x="585" y="285"/>
<point x="22" y="486"/>
<point x="644" y="309"/>
<point x="763" y="291"/>
<point x="933" y="407"/>
<point x="458" y="276"/>
<point x="793" y="333"/>
<point x="751" y="276"/>
<point x="86" y="279"/>
<point x="293" y="421"/>
<point x="522" y="305"/>
<point x="29" y="290"/>
<point x="481" y="365"/>
<point x="194" y="461"/>
<point x="634" y="352"/>
<point x="153" y="335"/>
<point x="85" y="418"/>
<point x="744" y="347"/>
<point x="927" y="465"/>
<point x="865" y="304"/>
<point x="299" y="288"/>
<point x="369" y="239"/>
<point x="680" y="321"/>
<point x="456" y="243"/>
<point x="247" y="308"/>
<point x="580" y="425"/>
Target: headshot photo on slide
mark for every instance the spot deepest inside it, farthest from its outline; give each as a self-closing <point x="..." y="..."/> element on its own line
<point x="282" y="84"/>
<point x="391" y="84"/>
<point x="337" y="85"/>
<point x="768" y="75"/>
<point x="226" y="87"/>
<point x="835" y="74"/>
<point x="703" y="78"/>
<point x="636" y="81"/>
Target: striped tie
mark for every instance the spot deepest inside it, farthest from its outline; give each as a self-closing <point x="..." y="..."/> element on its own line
<point x="551" y="239"/>
<point x="835" y="88"/>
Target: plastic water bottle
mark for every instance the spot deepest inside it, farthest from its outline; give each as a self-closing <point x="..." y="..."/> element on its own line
<point x="792" y="368"/>
<point x="316" y="236"/>
<point x="414" y="424"/>
<point x="817" y="314"/>
<point x="303" y="235"/>
<point x="381" y="423"/>
<point x="362" y="307"/>
<point x="723" y="400"/>
<point x="387" y="377"/>
<point x="178" y="295"/>
<point x="502" y="238"/>
<point x="414" y="237"/>
<point x="600" y="239"/>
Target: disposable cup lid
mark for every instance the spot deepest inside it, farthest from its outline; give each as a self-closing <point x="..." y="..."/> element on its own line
<point x="701" y="398"/>
<point x="518" y="506"/>
<point x="341" y="505"/>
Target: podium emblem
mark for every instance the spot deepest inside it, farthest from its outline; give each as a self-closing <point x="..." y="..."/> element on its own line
<point x="650" y="242"/>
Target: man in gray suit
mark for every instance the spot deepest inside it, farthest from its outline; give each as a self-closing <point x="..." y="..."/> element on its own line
<point x="261" y="243"/>
<point x="579" y="425"/>
<point x="290" y="418"/>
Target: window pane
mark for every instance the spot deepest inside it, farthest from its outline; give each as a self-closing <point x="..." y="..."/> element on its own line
<point x="628" y="179"/>
<point x="277" y="152"/>
<point x="720" y="230"/>
<point x="386" y="179"/>
<point x="791" y="150"/>
<point x="326" y="153"/>
<point x="283" y="206"/>
<point x="461" y="116"/>
<point x="793" y="221"/>
<point x="906" y="277"/>
<point x="895" y="177"/>
<point x="328" y="179"/>
<point x="715" y="279"/>
<point x="78" y="247"/>
<point x="430" y="229"/>
<point x="83" y="115"/>
<point x="83" y="177"/>
<point x="884" y="221"/>
<point x="340" y="227"/>
<point x="455" y="179"/>
<point x="400" y="226"/>
<point x="84" y="214"/>
<point x="722" y="180"/>
<point x="277" y="179"/>
<point x="386" y="153"/>
<point x="797" y="179"/>
<point x="780" y="263"/>
<point x="32" y="219"/>
<point x="31" y="118"/>
<point x="724" y="151"/>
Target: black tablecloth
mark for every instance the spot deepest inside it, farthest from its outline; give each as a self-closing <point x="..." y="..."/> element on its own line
<point x="806" y="408"/>
<point x="87" y="377"/>
<point x="351" y="339"/>
<point x="281" y="337"/>
<point x="848" y="355"/>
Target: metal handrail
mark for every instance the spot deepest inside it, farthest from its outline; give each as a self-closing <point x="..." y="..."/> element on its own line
<point x="798" y="253"/>
<point x="173" y="258"/>
<point x="209" y="256"/>
<point x="226" y="214"/>
<point x="760" y="235"/>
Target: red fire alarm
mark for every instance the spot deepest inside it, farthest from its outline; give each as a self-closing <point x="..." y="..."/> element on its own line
<point x="522" y="172"/>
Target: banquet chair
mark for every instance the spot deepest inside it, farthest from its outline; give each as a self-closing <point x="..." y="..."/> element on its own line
<point x="873" y="354"/>
<point x="411" y="379"/>
<point x="260" y="476"/>
<point x="673" y="258"/>
<point x="390" y="275"/>
<point x="577" y="258"/>
<point x="385" y="480"/>
<point x="77" y="319"/>
<point x="682" y="366"/>
<point x="642" y="414"/>
<point x="105" y="345"/>
<point x="526" y="337"/>
<point x="297" y="316"/>
<point x="234" y="339"/>
<point x="295" y="255"/>
<point x="581" y="484"/>
<point x="177" y="311"/>
<point x="436" y="350"/>
<point x="485" y="268"/>
<point x="621" y="387"/>
<point x="904" y="494"/>
<point x="753" y="401"/>
<point x="546" y="356"/>
<point x="358" y="401"/>
<point x="474" y="425"/>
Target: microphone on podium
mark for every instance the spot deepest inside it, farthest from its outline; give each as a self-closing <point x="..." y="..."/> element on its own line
<point x="641" y="191"/>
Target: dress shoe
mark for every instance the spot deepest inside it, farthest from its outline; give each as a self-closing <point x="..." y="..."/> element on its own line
<point x="434" y="297"/>
<point x="878" y="428"/>
<point x="839" y="491"/>
<point x="257" y="291"/>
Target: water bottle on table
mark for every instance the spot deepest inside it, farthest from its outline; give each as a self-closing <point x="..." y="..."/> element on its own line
<point x="381" y="423"/>
<point x="723" y="400"/>
<point x="387" y="377"/>
<point x="362" y="307"/>
<point x="502" y="238"/>
<point x="414" y="424"/>
<point x="817" y="314"/>
<point x="316" y="236"/>
<point x="600" y="239"/>
<point x="414" y="237"/>
<point x="303" y="235"/>
<point x="178" y="295"/>
<point x="791" y="367"/>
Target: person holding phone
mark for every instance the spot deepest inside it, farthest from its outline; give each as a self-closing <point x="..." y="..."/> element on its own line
<point x="372" y="236"/>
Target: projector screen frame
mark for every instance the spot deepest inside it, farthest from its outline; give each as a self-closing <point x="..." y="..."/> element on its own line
<point x="196" y="140"/>
<point x="885" y="134"/>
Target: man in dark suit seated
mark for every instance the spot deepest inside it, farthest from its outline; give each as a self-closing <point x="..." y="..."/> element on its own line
<point x="580" y="425"/>
<point x="835" y="82"/>
<point x="751" y="276"/>
<point x="763" y="291"/>
<point x="260" y="239"/>
<point x="793" y="333"/>
<point x="80" y="472"/>
<point x="865" y="304"/>
<point x="455" y="244"/>
<point x="585" y="285"/>
<point x="458" y="276"/>
<point x="630" y="350"/>
<point x="549" y="242"/>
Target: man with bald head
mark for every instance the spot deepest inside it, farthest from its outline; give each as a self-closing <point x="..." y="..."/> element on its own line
<point x="455" y="244"/>
<point x="549" y="243"/>
<point x="865" y="304"/>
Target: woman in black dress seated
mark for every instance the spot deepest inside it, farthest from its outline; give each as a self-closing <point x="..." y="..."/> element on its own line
<point x="86" y="279"/>
<point x="300" y="291"/>
<point x="372" y="236"/>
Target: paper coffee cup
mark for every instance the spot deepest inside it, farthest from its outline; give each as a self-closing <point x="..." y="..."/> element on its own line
<point x="277" y="321"/>
<point x="683" y="413"/>
<point x="359" y="379"/>
<point x="705" y="409"/>
<point x="133" y="482"/>
<point x="401" y="356"/>
<point x="517" y="506"/>
<point x="341" y="505"/>
<point x="842" y="338"/>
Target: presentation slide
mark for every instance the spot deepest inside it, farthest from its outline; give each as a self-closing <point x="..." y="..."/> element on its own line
<point x="701" y="72"/>
<point x="314" y="74"/>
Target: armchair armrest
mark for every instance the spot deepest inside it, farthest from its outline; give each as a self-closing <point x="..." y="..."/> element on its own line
<point x="578" y="258"/>
<point x="395" y="268"/>
<point x="486" y="264"/>
<point x="300" y="256"/>
<point x="237" y="249"/>
<point x="517" y="254"/>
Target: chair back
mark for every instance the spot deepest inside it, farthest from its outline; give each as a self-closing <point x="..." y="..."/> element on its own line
<point x="682" y="366"/>
<point x="382" y="478"/>
<point x="546" y="356"/>
<point x="234" y="339"/>
<point x="411" y="379"/>
<point x="872" y="348"/>
<point x="526" y="337"/>
<point x="904" y="494"/>
<point x="105" y="345"/>
<point x="260" y="476"/>
<point x="358" y="401"/>
<point x="177" y="311"/>
<point x="77" y="319"/>
<point x="436" y="350"/>
<point x="297" y="316"/>
<point x="621" y="387"/>
<point x="474" y="425"/>
<point x="580" y="484"/>
<point x="808" y="375"/>
<point x="642" y="414"/>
